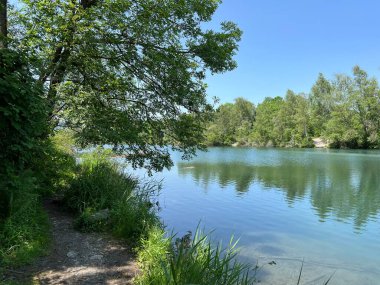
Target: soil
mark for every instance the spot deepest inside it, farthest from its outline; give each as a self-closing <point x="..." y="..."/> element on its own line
<point x="79" y="258"/>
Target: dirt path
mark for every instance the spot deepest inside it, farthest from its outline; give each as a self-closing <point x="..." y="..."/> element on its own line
<point x="80" y="258"/>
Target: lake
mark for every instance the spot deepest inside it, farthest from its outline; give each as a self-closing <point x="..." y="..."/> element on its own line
<point x="319" y="207"/>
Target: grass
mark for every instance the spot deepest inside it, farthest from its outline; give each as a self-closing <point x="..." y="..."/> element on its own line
<point x="300" y="274"/>
<point x="24" y="234"/>
<point x="101" y="186"/>
<point x="171" y="261"/>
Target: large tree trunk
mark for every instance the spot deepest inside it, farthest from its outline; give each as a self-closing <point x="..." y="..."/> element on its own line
<point x="3" y="23"/>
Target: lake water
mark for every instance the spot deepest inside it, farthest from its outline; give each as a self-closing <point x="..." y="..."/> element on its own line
<point x="285" y="205"/>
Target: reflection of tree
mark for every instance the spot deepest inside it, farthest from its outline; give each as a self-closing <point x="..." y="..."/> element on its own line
<point x="224" y="173"/>
<point x="336" y="186"/>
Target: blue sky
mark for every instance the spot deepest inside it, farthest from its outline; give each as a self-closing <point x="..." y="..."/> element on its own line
<point x="286" y="43"/>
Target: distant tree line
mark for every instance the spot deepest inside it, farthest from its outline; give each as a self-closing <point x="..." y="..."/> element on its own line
<point x="344" y="111"/>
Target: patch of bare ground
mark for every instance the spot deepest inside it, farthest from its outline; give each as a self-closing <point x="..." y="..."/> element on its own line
<point x="78" y="258"/>
<point x="320" y="143"/>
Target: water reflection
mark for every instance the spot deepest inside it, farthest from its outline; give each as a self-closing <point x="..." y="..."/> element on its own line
<point x="344" y="187"/>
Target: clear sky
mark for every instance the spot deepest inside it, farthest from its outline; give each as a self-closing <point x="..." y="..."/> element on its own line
<point x="286" y="43"/>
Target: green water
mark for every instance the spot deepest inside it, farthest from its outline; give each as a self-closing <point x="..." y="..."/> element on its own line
<point x="320" y="206"/>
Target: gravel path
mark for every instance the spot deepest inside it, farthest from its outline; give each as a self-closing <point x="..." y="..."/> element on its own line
<point x="79" y="258"/>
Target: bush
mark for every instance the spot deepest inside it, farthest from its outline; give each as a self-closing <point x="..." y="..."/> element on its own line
<point x="101" y="187"/>
<point x="23" y="132"/>
<point x="23" y="112"/>
<point x="186" y="261"/>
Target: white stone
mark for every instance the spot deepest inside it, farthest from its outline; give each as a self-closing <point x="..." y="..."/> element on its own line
<point x="71" y="254"/>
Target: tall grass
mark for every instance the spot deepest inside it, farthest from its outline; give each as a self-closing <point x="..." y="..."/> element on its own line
<point x="101" y="186"/>
<point x="166" y="260"/>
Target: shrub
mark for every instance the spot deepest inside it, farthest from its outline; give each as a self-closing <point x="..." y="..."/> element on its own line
<point x="23" y="131"/>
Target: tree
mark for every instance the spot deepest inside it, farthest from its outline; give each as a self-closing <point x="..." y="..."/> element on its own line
<point x="354" y="120"/>
<point x="321" y="101"/>
<point x="267" y="124"/>
<point x="127" y="73"/>
<point x="231" y="123"/>
<point x="224" y="125"/>
<point x="294" y="120"/>
<point x="23" y="121"/>
<point x="3" y="23"/>
<point x="343" y="127"/>
<point x="246" y="111"/>
<point x="365" y="102"/>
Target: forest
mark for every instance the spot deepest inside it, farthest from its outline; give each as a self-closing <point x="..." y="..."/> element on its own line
<point x="344" y="111"/>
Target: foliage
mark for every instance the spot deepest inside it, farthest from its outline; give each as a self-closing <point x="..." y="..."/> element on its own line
<point x="231" y="123"/>
<point x="321" y="104"/>
<point x="344" y="111"/>
<point x="64" y="141"/>
<point x="266" y="130"/>
<point x="54" y="168"/>
<point x="102" y="186"/>
<point x="23" y="129"/>
<point x="22" y="111"/>
<point x="283" y="122"/>
<point x="22" y="122"/>
<point x="294" y="119"/>
<point x="189" y="261"/>
<point x="24" y="233"/>
<point x="127" y="73"/>
<point x="355" y="120"/>
<point x="24" y="230"/>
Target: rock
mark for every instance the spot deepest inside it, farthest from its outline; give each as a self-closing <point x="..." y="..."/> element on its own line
<point x="101" y="215"/>
<point x="96" y="257"/>
<point x="71" y="254"/>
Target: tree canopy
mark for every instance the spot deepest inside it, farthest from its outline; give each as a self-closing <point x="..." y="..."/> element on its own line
<point x="344" y="111"/>
<point x="126" y="73"/>
<point x="231" y="123"/>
